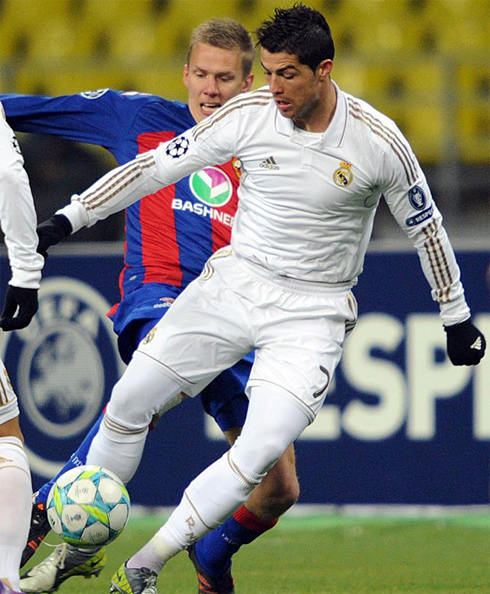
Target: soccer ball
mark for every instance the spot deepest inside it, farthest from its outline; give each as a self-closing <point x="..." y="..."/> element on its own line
<point x="88" y="506"/>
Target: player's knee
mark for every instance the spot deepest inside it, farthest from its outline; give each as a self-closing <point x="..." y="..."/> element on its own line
<point x="11" y="428"/>
<point x="123" y="407"/>
<point x="141" y="393"/>
<point x="278" y="493"/>
<point x="289" y="494"/>
<point x="259" y="456"/>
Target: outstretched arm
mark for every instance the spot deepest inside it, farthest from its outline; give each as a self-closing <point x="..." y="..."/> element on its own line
<point x="146" y="174"/>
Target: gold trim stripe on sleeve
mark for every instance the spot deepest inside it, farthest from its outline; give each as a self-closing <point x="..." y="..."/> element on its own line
<point x="260" y="98"/>
<point x="241" y="99"/>
<point x="438" y="262"/>
<point x="400" y="149"/>
<point x="126" y="176"/>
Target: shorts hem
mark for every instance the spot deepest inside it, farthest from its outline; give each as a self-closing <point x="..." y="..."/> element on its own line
<point x="187" y="387"/>
<point x="9" y="412"/>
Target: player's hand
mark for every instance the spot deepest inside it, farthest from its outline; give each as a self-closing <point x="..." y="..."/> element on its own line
<point x="52" y="232"/>
<point x="465" y="343"/>
<point x="21" y="301"/>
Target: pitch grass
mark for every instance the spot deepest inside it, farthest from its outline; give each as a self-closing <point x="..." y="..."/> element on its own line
<point x="331" y="554"/>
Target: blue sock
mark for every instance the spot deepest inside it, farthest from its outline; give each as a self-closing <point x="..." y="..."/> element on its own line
<point x="216" y="549"/>
<point x="78" y="458"/>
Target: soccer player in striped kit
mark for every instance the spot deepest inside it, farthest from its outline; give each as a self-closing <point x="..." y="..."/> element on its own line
<point x="170" y="236"/>
<point x="316" y="162"/>
<point x="18" y="220"/>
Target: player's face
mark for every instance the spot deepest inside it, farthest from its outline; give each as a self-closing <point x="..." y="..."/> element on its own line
<point x="213" y="76"/>
<point x="300" y="94"/>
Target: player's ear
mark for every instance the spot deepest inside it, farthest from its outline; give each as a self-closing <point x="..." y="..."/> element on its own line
<point x="247" y="83"/>
<point x="185" y="76"/>
<point x="324" y="68"/>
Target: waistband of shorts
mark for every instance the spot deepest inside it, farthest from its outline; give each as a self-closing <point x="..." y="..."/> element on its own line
<point x="293" y="284"/>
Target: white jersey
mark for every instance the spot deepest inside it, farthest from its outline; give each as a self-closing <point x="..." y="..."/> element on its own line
<point x="307" y="200"/>
<point x="17" y="213"/>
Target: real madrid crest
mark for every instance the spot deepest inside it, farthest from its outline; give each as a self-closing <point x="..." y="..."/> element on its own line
<point x="150" y="336"/>
<point x="343" y="175"/>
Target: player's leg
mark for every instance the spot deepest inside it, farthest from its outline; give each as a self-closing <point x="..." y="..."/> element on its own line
<point x="39" y="526"/>
<point x="225" y="400"/>
<point x="15" y="485"/>
<point x="6" y="589"/>
<point x="212" y="555"/>
<point x="128" y="340"/>
<point x="117" y="446"/>
<point x="273" y="422"/>
<point x="145" y="389"/>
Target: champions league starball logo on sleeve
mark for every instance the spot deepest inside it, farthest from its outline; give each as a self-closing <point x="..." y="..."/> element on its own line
<point x="63" y="367"/>
<point x="178" y="147"/>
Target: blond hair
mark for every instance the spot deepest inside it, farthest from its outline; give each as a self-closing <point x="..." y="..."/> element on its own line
<point x="225" y="34"/>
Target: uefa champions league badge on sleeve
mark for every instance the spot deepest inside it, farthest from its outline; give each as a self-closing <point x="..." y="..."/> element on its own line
<point x="418" y="201"/>
<point x="417" y="198"/>
<point x="178" y="147"/>
<point x="63" y="367"/>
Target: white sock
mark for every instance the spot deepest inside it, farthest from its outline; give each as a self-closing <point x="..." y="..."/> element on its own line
<point x="119" y="452"/>
<point x="15" y="506"/>
<point x="210" y="498"/>
<point x="274" y="421"/>
<point x="142" y="392"/>
<point x="153" y="555"/>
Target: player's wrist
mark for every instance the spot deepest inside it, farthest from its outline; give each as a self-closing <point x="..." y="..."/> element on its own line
<point x="75" y="214"/>
<point x="26" y="279"/>
<point x="455" y="311"/>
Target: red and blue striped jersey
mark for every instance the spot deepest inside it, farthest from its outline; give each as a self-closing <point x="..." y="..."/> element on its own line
<point x="170" y="234"/>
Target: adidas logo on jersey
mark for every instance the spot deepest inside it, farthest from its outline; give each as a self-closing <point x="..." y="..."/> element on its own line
<point x="477" y="344"/>
<point x="269" y="163"/>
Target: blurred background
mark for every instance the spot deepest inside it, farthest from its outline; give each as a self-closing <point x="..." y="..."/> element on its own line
<point x="423" y="62"/>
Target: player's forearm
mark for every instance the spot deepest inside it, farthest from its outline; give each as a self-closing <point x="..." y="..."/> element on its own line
<point x="114" y="192"/>
<point x="127" y="184"/>
<point x="19" y="226"/>
<point x="442" y="272"/>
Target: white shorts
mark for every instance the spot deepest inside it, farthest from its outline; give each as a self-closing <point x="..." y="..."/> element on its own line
<point x="9" y="408"/>
<point x="296" y="328"/>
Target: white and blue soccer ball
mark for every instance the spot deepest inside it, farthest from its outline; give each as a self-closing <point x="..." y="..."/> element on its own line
<point x="88" y="506"/>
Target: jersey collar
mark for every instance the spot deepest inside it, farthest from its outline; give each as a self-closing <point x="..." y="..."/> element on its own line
<point x="333" y="135"/>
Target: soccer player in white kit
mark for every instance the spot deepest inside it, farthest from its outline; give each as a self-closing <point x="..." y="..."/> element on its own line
<point x="18" y="220"/>
<point x="315" y="163"/>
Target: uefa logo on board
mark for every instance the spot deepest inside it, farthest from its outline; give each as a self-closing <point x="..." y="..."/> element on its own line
<point x="63" y="367"/>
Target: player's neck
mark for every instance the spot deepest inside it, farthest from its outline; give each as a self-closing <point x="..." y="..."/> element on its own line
<point x="320" y="117"/>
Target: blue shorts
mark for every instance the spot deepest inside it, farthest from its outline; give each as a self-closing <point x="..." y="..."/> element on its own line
<point x="224" y="398"/>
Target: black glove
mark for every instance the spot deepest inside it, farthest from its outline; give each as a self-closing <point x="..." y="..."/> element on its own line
<point x="25" y="300"/>
<point x="52" y="232"/>
<point x="465" y="343"/>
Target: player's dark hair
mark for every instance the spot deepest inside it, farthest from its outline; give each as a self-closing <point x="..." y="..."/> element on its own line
<point x="225" y="34"/>
<point x="299" y="30"/>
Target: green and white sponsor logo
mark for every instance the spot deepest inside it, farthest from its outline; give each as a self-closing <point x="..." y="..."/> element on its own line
<point x="211" y="186"/>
